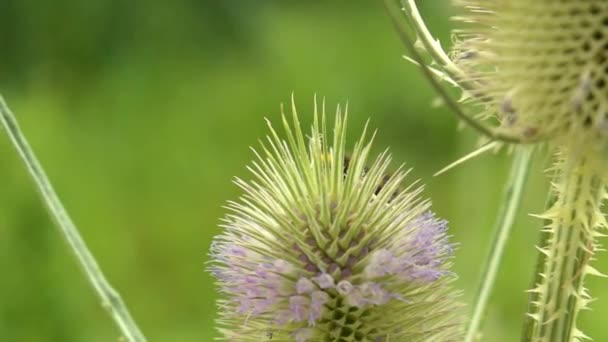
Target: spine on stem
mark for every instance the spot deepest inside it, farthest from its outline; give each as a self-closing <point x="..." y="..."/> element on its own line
<point x="574" y="224"/>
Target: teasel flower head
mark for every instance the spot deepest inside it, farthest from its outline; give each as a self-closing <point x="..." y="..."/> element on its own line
<point x="537" y="70"/>
<point x="328" y="247"/>
<point x="540" y="67"/>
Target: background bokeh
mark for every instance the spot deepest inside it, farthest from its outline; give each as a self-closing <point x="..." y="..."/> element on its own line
<point x="144" y="111"/>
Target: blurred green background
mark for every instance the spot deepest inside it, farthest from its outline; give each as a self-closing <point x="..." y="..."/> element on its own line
<point x="144" y="111"/>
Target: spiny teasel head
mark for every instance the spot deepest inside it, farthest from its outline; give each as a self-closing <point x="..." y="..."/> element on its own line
<point x="325" y="247"/>
<point x="541" y="67"/>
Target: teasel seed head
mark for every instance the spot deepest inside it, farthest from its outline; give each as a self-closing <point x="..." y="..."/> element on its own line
<point x="541" y="67"/>
<point x="317" y="249"/>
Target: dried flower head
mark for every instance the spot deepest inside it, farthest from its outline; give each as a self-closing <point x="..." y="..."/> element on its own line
<point x="541" y="66"/>
<point x="319" y="249"/>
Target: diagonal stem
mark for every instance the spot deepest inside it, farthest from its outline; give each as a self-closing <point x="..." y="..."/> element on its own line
<point x="513" y="195"/>
<point x="110" y="299"/>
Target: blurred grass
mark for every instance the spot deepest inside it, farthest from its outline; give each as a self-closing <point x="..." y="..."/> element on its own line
<point x="143" y="113"/>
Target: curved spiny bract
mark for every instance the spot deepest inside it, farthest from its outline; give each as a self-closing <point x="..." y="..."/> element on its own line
<point x="314" y="251"/>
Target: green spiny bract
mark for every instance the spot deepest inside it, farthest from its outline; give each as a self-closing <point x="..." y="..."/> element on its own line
<point x="317" y="251"/>
<point x="541" y="69"/>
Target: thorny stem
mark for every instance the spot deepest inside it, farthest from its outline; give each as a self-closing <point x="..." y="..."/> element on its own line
<point x="504" y="223"/>
<point x="543" y="242"/>
<point x="574" y="219"/>
<point x="110" y="299"/>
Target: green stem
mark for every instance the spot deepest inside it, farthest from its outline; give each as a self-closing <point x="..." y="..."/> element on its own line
<point x="574" y="219"/>
<point x="504" y="223"/>
<point x="541" y="258"/>
<point x="110" y="299"/>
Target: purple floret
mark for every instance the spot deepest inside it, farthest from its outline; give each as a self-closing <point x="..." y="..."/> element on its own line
<point x="416" y="255"/>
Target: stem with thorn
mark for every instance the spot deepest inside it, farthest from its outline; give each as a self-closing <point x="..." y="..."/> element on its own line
<point x="574" y="221"/>
<point x="528" y="326"/>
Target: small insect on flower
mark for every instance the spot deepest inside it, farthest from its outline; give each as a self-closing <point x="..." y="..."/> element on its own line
<point x="385" y="178"/>
<point x="321" y="247"/>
